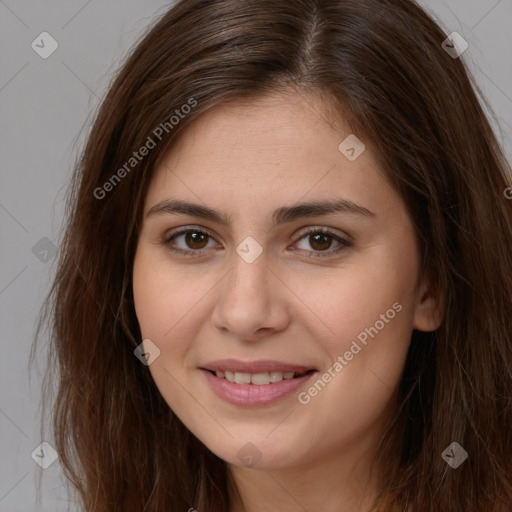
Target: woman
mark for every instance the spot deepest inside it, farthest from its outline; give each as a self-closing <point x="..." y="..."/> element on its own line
<point x="285" y="280"/>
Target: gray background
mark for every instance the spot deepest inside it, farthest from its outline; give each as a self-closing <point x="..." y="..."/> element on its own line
<point x="46" y="107"/>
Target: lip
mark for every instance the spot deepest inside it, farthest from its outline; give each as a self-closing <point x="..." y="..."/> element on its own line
<point x="235" y="365"/>
<point x="252" y="395"/>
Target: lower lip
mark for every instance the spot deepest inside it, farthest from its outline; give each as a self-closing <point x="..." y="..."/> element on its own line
<point x="252" y="394"/>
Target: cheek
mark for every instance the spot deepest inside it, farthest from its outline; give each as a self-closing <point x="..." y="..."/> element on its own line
<point x="150" y="301"/>
<point x="360" y="298"/>
<point x="363" y="325"/>
<point x="170" y="305"/>
<point x="160" y="294"/>
<point x="165" y="312"/>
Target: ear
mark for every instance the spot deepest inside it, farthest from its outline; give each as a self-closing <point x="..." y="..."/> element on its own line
<point x="429" y="309"/>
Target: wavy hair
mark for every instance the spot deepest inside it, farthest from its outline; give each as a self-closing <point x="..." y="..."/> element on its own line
<point x="382" y="65"/>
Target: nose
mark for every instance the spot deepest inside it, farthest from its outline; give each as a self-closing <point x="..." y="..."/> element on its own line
<point x="252" y="301"/>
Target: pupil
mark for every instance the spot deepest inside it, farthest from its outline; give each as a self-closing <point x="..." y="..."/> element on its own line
<point x="321" y="236"/>
<point x="194" y="238"/>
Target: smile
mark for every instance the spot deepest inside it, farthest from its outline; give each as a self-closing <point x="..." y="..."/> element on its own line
<point x="258" y="379"/>
<point x="255" y="383"/>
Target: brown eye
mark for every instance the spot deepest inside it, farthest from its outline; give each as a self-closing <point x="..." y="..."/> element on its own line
<point x="192" y="242"/>
<point x="195" y="239"/>
<point x="320" y="241"/>
<point x="188" y="241"/>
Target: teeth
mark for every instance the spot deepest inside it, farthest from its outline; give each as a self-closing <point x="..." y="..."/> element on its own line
<point x="276" y="376"/>
<point x="242" y="378"/>
<point x="259" y="379"/>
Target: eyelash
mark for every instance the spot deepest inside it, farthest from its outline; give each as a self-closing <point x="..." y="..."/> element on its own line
<point x="310" y="231"/>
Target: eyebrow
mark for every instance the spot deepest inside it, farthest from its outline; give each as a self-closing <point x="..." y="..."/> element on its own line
<point x="281" y="215"/>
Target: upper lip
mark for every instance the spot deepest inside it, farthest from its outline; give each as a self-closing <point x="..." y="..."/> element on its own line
<point x="261" y="366"/>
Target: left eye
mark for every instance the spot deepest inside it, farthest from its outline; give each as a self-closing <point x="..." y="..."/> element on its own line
<point x="196" y="241"/>
<point x="321" y="240"/>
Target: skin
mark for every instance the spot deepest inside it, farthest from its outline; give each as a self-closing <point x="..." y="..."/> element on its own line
<point x="248" y="159"/>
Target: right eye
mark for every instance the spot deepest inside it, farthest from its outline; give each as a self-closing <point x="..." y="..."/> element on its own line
<point x="194" y="241"/>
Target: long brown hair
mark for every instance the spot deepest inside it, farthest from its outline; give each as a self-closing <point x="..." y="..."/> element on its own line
<point x="381" y="62"/>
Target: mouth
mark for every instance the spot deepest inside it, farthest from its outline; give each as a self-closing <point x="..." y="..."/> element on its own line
<point x="257" y="379"/>
<point x="256" y="383"/>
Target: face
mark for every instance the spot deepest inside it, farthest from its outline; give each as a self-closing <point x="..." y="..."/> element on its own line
<point x="310" y="310"/>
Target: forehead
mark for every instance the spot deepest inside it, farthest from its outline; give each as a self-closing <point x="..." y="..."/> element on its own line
<point x="282" y="146"/>
<point x="266" y="125"/>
